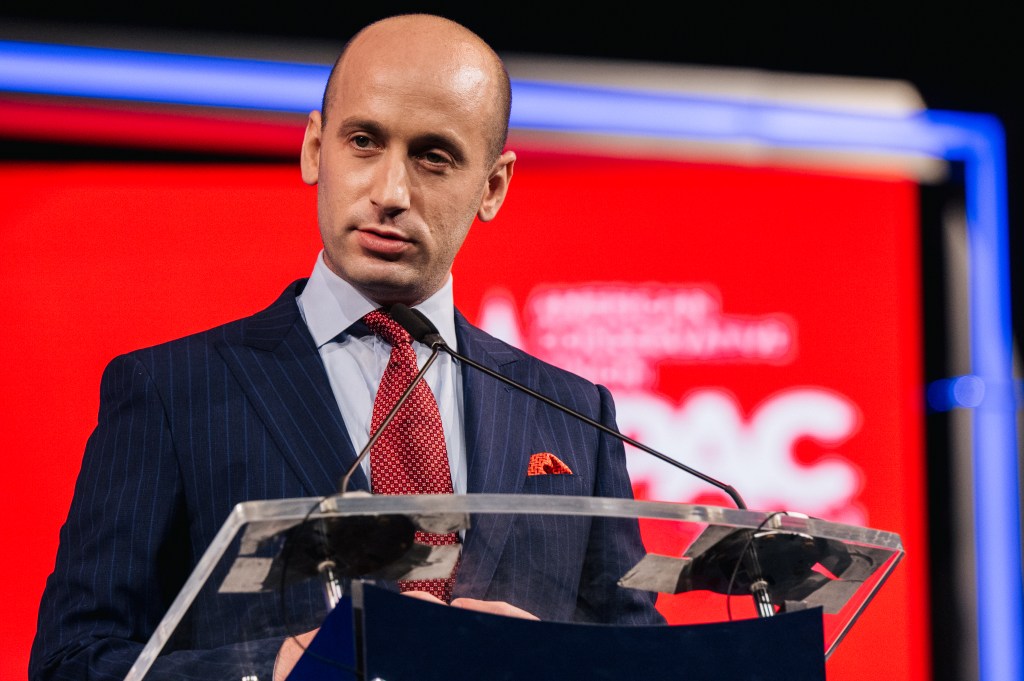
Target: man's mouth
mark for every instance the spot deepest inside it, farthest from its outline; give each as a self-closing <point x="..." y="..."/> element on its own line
<point x="382" y="242"/>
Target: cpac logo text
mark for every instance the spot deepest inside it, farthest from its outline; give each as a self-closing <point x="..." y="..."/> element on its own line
<point x="708" y="432"/>
<point x="619" y="335"/>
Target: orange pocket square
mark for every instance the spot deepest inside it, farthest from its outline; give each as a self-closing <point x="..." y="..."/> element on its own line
<point x="546" y="463"/>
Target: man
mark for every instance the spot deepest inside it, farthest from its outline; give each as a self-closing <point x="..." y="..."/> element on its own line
<point x="407" y="150"/>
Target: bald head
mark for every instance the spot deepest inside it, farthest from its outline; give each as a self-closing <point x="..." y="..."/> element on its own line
<point x="436" y="52"/>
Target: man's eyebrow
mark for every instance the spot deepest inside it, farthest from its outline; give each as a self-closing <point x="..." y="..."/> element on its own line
<point x="350" y="124"/>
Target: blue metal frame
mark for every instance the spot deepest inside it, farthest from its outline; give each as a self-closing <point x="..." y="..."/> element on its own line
<point x="976" y="140"/>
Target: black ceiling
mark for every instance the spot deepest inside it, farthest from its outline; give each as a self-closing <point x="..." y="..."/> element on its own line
<point x="962" y="59"/>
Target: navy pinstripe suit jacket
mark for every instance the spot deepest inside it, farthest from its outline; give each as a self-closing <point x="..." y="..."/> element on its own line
<point x="188" y="429"/>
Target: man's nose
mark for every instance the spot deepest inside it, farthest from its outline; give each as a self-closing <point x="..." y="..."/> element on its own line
<point x="390" y="190"/>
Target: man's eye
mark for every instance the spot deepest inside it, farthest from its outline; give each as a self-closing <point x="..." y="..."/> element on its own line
<point x="362" y="141"/>
<point x="436" y="158"/>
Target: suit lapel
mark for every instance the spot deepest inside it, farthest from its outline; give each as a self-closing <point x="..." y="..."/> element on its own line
<point x="278" y="366"/>
<point x="496" y="448"/>
<point x="495" y="412"/>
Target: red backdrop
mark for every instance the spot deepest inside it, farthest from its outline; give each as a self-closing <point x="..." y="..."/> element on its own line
<point x="780" y="331"/>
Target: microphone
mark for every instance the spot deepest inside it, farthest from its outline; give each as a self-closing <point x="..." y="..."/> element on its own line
<point x="422" y="330"/>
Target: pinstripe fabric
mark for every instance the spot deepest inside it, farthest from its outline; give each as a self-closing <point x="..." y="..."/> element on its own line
<point x="534" y="562"/>
<point x="190" y="428"/>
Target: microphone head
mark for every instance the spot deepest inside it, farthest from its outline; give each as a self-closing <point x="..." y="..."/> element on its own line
<point x="416" y="324"/>
<point x="433" y="336"/>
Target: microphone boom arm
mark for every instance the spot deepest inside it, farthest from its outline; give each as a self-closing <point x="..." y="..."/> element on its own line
<point x="439" y="343"/>
<point x="422" y="330"/>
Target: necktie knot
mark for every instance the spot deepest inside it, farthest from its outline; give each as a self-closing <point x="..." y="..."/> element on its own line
<point x="381" y="323"/>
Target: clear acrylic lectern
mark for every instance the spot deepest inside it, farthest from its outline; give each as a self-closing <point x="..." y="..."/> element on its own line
<point x="721" y="576"/>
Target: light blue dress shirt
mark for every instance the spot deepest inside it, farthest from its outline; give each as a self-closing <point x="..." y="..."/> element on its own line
<point x="355" y="363"/>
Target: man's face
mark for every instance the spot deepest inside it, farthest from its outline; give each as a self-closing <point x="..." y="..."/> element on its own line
<point x="402" y="169"/>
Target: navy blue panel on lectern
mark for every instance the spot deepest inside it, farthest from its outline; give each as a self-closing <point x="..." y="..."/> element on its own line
<point x="411" y="640"/>
<point x="331" y="654"/>
<point x="406" y="639"/>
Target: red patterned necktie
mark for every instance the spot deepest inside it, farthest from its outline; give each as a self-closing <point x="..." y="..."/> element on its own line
<point x="410" y="456"/>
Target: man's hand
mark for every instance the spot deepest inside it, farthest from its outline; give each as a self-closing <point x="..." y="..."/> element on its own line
<point x="290" y="652"/>
<point x="493" y="607"/>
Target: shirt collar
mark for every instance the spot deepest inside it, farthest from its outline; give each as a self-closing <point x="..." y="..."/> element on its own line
<point x="330" y="305"/>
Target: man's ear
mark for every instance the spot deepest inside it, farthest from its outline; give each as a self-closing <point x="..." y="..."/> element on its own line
<point x="497" y="186"/>
<point x="310" y="158"/>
